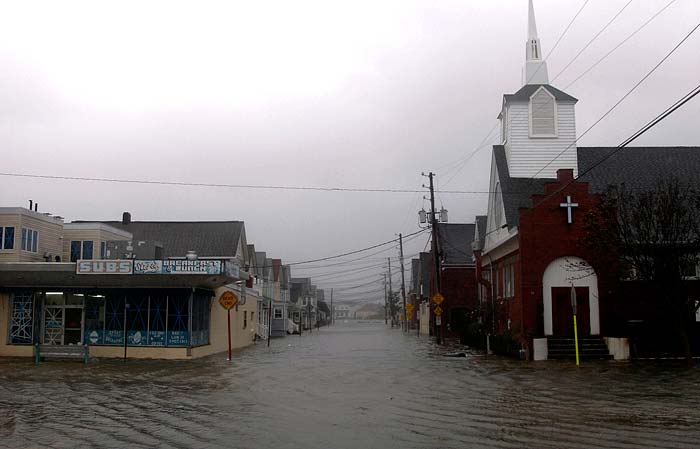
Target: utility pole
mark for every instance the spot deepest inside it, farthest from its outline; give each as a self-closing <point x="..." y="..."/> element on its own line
<point x="332" y="309"/>
<point x="436" y="257"/>
<point x="386" y="304"/>
<point x="403" y="285"/>
<point x="308" y="314"/>
<point x="391" y="295"/>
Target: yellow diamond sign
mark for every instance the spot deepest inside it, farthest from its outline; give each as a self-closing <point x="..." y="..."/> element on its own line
<point x="438" y="311"/>
<point x="438" y="298"/>
<point x="409" y="308"/>
<point x="408" y="315"/>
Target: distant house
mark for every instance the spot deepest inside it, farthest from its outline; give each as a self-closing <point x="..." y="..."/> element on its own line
<point x="457" y="276"/>
<point x="341" y="311"/>
<point x="29" y="236"/>
<point x="370" y="312"/>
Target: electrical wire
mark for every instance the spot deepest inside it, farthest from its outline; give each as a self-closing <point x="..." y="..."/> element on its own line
<point x="591" y="41"/>
<point x="683" y="100"/>
<point x="629" y="92"/>
<point x="228" y="186"/>
<point x="605" y="56"/>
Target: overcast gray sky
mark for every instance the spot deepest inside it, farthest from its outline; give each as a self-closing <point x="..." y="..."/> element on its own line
<point x="304" y="93"/>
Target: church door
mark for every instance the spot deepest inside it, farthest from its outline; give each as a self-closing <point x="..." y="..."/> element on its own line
<point x="563" y="315"/>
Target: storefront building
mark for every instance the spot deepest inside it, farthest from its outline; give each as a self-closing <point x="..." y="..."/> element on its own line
<point x="163" y="308"/>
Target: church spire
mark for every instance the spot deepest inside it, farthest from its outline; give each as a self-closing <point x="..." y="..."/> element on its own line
<point x="535" y="68"/>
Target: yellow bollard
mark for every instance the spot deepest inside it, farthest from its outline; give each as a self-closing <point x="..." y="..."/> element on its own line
<point x="576" y="339"/>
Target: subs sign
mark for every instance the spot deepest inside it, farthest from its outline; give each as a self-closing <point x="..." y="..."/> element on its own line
<point x="104" y="267"/>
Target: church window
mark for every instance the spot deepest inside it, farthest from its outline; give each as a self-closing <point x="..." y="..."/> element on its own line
<point x="535" y="52"/>
<point x="543" y="114"/>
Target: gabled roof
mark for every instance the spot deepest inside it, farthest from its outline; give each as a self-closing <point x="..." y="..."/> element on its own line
<point x="517" y="192"/>
<point x="260" y="264"/>
<point x="481" y="223"/>
<point x="638" y="167"/>
<point x="527" y="90"/>
<point x="286" y="277"/>
<point x="455" y="240"/>
<point x="206" y="238"/>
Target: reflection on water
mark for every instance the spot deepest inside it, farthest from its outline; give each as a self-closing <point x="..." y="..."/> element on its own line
<point x="356" y="385"/>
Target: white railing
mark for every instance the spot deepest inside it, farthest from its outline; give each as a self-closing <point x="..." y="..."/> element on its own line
<point x="261" y="330"/>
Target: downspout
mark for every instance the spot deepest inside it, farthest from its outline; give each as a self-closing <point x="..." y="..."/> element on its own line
<point x="493" y="308"/>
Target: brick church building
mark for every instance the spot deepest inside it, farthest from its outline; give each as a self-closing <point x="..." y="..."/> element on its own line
<point x="529" y="254"/>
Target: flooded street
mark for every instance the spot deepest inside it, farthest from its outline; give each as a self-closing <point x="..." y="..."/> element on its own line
<point x="350" y="386"/>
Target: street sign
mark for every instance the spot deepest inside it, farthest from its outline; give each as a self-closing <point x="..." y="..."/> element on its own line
<point x="408" y="315"/>
<point x="409" y="308"/>
<point x="438" y="320"/>
<point x="437" y="311"/>
<point x="438" y="298"/>
<point x="228" y="300"/>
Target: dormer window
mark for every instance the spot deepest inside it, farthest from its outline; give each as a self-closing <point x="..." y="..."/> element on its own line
<point x="543" y="114"/>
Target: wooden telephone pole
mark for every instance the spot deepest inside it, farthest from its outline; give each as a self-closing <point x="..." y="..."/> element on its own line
<point x="403" y="285"/>
<point x="436" y="258"/>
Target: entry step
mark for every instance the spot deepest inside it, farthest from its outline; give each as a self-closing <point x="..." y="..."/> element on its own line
<point x="590" y="348"/>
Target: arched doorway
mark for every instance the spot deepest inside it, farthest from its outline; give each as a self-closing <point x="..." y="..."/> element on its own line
<point x="556" y="291"/>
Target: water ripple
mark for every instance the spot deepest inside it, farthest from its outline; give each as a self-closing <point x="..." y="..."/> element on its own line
<point x="353" y="385"/>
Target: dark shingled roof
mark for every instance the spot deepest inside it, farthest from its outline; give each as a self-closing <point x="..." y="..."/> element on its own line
<point x="455" y="241"/>
<point x="638" y="167"/>
<point x="517" y="192"/>
<point x="206" y="238"/>
<point x="527" y="90"/>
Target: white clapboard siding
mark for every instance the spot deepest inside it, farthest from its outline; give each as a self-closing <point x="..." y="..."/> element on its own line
<point x="527" y="155"/>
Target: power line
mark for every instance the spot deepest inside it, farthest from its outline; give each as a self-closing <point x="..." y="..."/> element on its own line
<point x="227" y="186"/>
<point x="592" y="40"/>
<point x="462" y="163"/>
<point x="683" y="100"/>
<point x="629" y="92"/>
<point x="361" y="258"/>
<point x="605" y="56"/>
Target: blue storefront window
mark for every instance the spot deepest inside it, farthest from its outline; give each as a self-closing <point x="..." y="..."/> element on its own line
<point x="156" y="329"/>
<point x="178" y="315"/>
<point x="21" y="319"/>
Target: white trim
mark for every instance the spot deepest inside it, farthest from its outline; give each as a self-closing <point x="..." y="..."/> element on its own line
<point x="560" y="274"/>
<point x="556" y="116"/>
<point x="30" y="213"/>
<point x="97" y="227"/>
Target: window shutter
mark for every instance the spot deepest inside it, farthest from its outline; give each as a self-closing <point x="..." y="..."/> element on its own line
<point x="542" y="114"/>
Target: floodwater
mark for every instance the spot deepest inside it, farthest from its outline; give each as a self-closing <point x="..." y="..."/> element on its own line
<point x="354" y="385"/>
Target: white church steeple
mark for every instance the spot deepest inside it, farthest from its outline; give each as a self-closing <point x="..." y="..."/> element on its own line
<point x="535" y="68"/>
<point x="538" y="122"/>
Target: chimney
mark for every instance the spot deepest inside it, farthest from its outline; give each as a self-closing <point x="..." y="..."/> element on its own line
<point x="36" y="207"/>
<point x="126" y="218"/>
<point x="31" y="204"/>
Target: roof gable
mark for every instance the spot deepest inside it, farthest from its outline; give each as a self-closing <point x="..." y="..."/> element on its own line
<point x="455" y="241"/>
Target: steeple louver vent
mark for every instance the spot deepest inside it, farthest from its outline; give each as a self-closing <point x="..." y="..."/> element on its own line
<point x="543" y="114"/>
